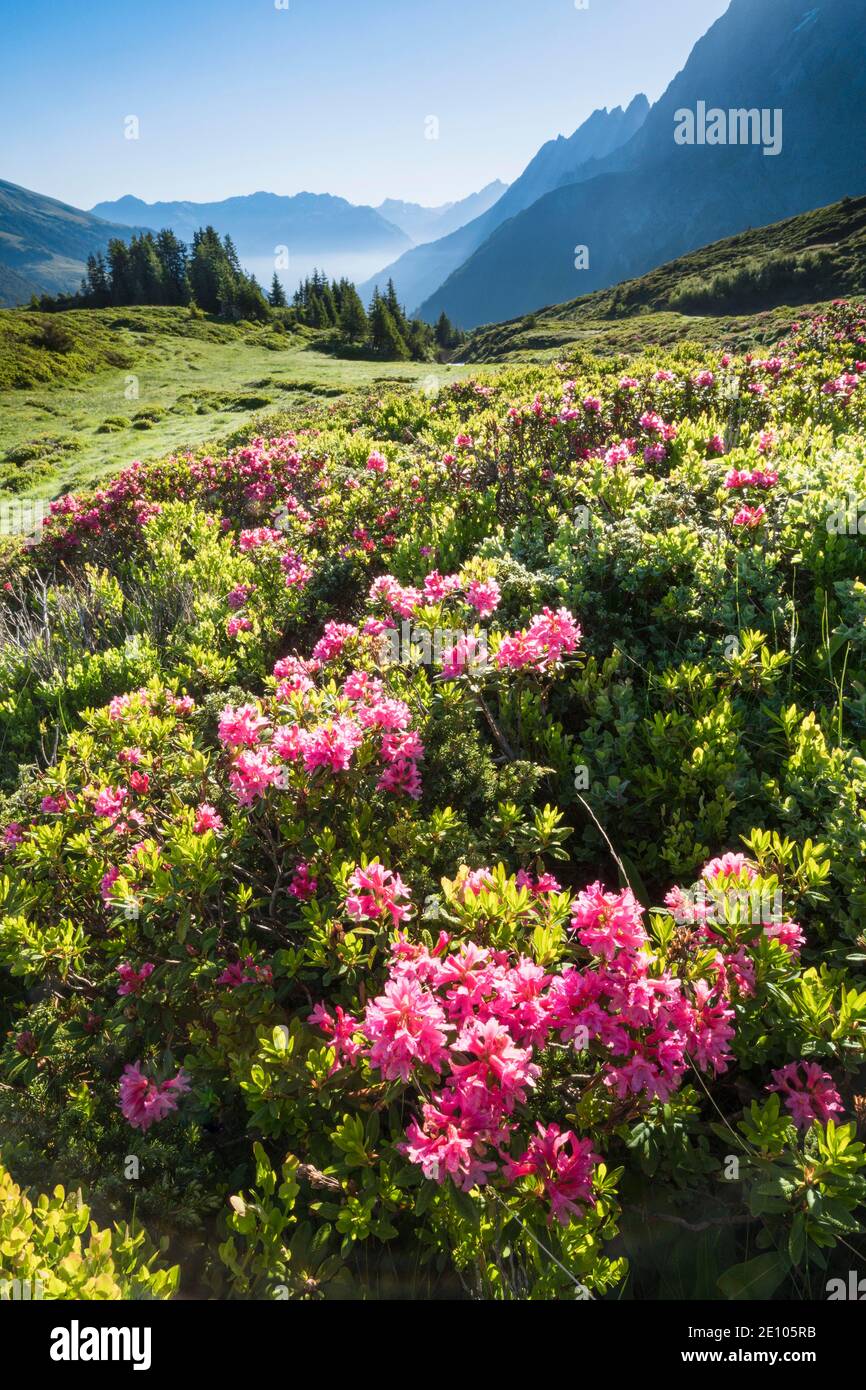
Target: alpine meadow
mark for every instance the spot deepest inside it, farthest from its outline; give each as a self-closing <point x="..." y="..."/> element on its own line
<point x="433" y="667"/>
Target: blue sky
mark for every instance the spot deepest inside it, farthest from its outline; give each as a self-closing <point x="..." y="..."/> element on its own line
<point x="328" y="95"/>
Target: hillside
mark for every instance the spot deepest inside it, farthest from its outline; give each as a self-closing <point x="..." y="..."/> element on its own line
<point x="653" y="199"/>
<point x="44" y="244"/>
<point x="726" y="291"/>
<point x="421" y="270"/>
<point x="85" y="390"/>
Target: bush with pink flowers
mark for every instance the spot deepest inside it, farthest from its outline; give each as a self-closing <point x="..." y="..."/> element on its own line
<point x="432" y="837"/>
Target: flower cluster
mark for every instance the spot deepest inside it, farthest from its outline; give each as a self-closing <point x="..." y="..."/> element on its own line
<point x="476" y="1023"/>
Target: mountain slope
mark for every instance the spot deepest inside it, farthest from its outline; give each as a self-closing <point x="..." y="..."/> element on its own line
<point x="44" y="244"/>
<point x="422" y="224"/>
<point x="813" y="257"/>
<point x="308" y="223"/>
<point x="652" y="199"/>
<point x="422" y="270"/>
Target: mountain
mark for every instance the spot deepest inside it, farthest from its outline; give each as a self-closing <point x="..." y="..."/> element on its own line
<point x="44" y="244"/>
<point x="423" y="269"/>
<point x="307" y="223"/>
<point x="652" y="199"/>
<point x="422" y="224"/>
<point x="808" y="259"/>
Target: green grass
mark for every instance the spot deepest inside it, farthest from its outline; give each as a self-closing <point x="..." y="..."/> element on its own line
<point x="742" y="292"/>
<point x="68" y="409"/>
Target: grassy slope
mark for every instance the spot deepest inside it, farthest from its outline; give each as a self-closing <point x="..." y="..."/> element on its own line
<point x="65" y="418"/>
<point x="739" y="291"/>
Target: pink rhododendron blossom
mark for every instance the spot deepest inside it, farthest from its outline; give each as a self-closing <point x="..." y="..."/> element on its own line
<point x="144" y="1102"/>
<point x="377" y="892"/>
<point x="808" y="1093"/>
<point x="206" y="818"/>
<point x="241" y="728"/>
<point x="132" y="980"/>
<point x="245" y="972"/>
<point x="303" y="884"/>
<point x="484" y="596"/>
<point x="340" y="1028"/>
<point x="565" y="1165"/>
<point x="405" y="1027"/>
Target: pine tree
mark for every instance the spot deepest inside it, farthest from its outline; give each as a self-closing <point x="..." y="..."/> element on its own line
<point x="395" y="309"/>
<point x="173" y="259"/>
<point x="444" y="331"/>
<point x="353" y="317"/>
<point x="277" y="296"/>
<point x="385" y="336"/>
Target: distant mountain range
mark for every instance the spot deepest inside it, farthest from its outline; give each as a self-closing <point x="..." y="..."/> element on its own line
<point x="651" y="199"/>
<point x="422" y="224"/>
<point x="307" y="223"/>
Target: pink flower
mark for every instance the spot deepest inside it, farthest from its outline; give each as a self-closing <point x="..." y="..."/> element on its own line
<point x="239" y="595"/>
<point x="131" y="980"/>
<point x="144" y="1102"/>
<point x="808" y="1093"/>
<point x="13" y="835"/>
<point x="789" y="934"/>
<point x="438" y="586"/>
<point x="750" y="517"/>
<point x="728" y="866"/>
<point x="255" y="539"/>
<point x="377" y="892"/>
<point x="245" y="972"/>
<point x="565" y="1166"/>
<point x="406" y="1028"/>
<point x="377" y="463"/>
<point x="607" y="923"/>
<point x="401" y="778"/>
<point x="109" y="803"/>
<point x="303" y="884"/>
<point x="251" y="775"/>
<point x="206" y="818"/>
<point x="341" y="1030"/>
<point x="333" y="639"/>
<point x="108" y="881"/>
<point x="456" y="659"/>
<point x="332" y="745"/>
<point x="711" y="1030"/>
<point x="497" y="1060"/>
<point x="549" y="636"/>
<point x="484" y="596"/>
<point x="241" y="728"/>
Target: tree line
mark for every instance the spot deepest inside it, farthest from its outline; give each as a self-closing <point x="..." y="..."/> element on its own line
<point x="385" y="329"/>
<point x="159" y="268"/>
